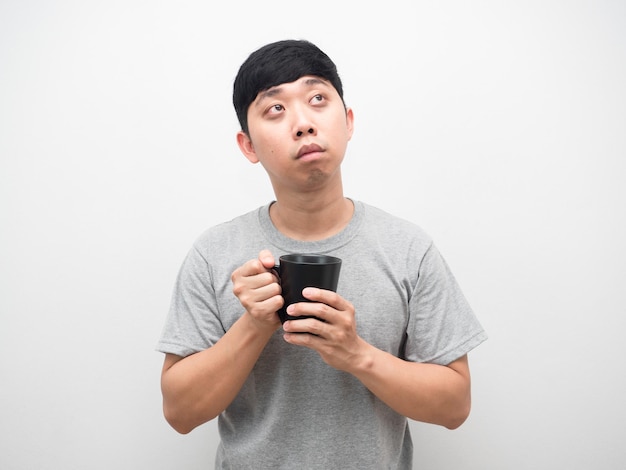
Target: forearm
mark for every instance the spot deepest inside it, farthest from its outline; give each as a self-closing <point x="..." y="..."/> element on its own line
<point x="199" y="387"/>
<point x="424" y="392"/>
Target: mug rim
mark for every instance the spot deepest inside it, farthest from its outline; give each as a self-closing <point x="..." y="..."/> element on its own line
<point x="309" y="258"/>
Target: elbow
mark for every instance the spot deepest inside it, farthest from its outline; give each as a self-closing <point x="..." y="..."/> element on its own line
<point x="455" y="423"/>
<point x="174" y="420"/>
<point x="459" y="416"/>
<point x="184" y="421"/>
<point x="460" y="404"/>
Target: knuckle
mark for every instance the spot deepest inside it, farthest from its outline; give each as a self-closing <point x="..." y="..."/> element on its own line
<point x="305" y="339"/>
<point x="316" y="328"/>
<point x="326" y="310"/>
<point x="276" y="289"/>
<point x="341" y="336"/>
<point x="256" y="266"/>
<point x="323" y="312"/>
<point x="238" y="289"/>
<point x="267" y="278"/>
<point x="254" y="310"/>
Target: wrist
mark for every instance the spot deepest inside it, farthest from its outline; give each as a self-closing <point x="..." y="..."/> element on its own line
<point x="259" y="326"/>
<point x="363" y="361"/>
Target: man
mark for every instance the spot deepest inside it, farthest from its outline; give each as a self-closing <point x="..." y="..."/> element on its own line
<point x="332" y="391"/>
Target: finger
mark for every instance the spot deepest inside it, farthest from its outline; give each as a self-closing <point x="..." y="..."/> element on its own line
<point x="304" y="325"/>
<point x="257" y="287"/>
<point x="311" y="309"/>
<point x="327" y="297"/>
<point x="251" y="268"/>
<point x="264" y="305"/>
<point x="306" y="332"/>
<point x="266" y="291"/>
<point x="306" y="309"/>
<point x="248" y="269"/>
<point x="267" y="259"/>
<point x="299" y="339"/>
<point x="258" y="299"/>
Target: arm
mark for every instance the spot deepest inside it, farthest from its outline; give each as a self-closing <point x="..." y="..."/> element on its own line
<point x="199" y="387"/>
<point x="423" y="392"/>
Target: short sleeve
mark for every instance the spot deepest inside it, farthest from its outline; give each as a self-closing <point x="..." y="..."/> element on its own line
<point x="442" y="326"/>
<point x="193" y="323"/>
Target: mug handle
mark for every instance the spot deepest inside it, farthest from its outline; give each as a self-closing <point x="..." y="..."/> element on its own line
<point x="276" y="271"/>
<point x="282" y="313"/>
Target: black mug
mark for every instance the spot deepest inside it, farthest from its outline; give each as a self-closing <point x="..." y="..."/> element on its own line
<point x="297" y="271"/>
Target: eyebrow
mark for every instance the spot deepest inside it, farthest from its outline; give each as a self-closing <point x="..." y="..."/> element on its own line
<point x="277" y="90"/>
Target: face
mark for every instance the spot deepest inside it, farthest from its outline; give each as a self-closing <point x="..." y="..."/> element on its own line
<point x="299" y="132"/>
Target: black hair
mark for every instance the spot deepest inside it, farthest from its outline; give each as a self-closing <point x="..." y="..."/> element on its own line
<point x="279" y="62"/>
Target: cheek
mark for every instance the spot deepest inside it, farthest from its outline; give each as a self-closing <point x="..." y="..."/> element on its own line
<point x="268" y="138"/>
<point x="272" y="146"/>
<point x="341" y="131"/>
<point x="269" y="148"/>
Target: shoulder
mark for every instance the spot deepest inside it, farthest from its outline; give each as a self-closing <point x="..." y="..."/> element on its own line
<point x="393" y="241"/>
<point x="228" y="234"/>
<point x="386" y="224"/>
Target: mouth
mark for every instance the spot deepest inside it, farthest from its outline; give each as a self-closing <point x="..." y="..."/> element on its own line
<point x="306" y="150"/>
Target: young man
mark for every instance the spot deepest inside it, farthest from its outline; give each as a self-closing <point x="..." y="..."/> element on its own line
<point x="333" y="391"/>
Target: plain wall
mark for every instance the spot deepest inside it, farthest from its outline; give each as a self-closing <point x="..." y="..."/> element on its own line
<point x="499" y="127"/>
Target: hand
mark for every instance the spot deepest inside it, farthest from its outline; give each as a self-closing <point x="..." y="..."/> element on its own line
<point x="257" y="288"/>
<point x="332" y="333"/>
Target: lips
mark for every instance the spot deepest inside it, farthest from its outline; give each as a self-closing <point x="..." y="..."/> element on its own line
<point x="306" y="149"/>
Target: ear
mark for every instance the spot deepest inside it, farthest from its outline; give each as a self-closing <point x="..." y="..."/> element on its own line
<point x="350" y="122"/>
<point x="246" y="147"/>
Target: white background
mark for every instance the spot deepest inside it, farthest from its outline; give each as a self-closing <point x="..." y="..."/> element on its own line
<point x="499" y="127"/>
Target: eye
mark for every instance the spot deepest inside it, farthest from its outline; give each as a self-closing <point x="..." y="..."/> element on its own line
<point x="275" y="109"/>
<point x="317" y="99"/>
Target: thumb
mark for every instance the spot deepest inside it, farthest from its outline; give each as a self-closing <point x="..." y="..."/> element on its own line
<point x="267" y="259"/>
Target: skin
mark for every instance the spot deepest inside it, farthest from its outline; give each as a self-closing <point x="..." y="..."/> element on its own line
<point x="299" y="132"/>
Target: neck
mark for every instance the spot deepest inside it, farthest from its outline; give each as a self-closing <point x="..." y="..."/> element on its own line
<point x="309" y="218"/>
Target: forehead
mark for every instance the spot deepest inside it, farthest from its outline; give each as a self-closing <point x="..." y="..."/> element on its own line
<point x="302" y="84"/>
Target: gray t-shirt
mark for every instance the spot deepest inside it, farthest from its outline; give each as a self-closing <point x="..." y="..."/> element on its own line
<point x="295" y="411"/>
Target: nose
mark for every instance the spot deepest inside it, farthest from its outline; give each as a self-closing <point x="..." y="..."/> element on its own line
<point x="309" y="131"/>
<point x="303" y="122"/>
